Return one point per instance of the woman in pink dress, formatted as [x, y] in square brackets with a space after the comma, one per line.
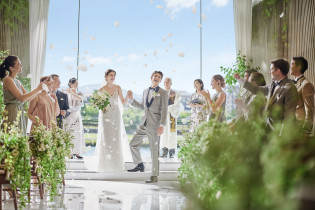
[44, 106]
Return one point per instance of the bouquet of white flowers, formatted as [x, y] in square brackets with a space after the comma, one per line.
[100, 100]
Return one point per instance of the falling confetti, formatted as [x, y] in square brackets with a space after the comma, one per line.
[173, 70]
[134, 82]
[51, 46]
[74, 48]
[194, 9]
[29, 76]
[91, 65]
[116, 54]
[199, 25]
[145, 54]
[282, 14]
[151, 2]
[164, 39]
[145, 65]
[131, 122]
[82, 67]
[166, 50]
[108, 157]
[170, 34]
[159, 6]
[170, 44]
[86, 52]
[155, 52]
[93, 38]
[116, 24]
[218, 195]
[181, 54]
[70, 41]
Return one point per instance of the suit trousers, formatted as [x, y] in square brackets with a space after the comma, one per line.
[154, 141]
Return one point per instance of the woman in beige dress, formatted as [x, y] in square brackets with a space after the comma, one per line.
[14, 94]
[44, 106]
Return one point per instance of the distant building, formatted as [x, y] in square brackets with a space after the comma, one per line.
[231, 95]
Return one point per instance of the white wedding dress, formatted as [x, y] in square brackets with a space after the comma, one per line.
[112, 147]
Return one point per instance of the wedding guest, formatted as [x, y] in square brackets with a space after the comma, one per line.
[14, 94]
[74, 121]
[305, 105]
[44, 106]
[217, 103]
[198, 104]
[245, 105]
[62, 100]
[168, 140]
[281, 93]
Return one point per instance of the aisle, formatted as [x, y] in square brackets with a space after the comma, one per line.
[83, 194]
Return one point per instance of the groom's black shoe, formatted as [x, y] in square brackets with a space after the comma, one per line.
[139, 167]
[152, 179]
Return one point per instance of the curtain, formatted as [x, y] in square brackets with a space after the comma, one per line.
[243, 26]
[38, 20]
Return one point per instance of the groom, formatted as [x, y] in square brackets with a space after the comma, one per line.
[154, 104]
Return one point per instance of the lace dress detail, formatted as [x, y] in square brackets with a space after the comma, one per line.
[109, 139]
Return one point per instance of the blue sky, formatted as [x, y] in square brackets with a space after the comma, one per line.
[137, 37]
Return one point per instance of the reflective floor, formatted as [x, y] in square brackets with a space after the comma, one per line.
[86, 194]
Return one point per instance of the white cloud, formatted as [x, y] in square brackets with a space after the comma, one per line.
[176, 5]
[68, 58]
[98, 60]
[219, 3]
[133, 57]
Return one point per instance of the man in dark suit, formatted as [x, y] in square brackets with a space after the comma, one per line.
[62, 100]
[281, 93]
[305, 106]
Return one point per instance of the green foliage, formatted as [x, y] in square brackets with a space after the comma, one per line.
[15, 152]
[49, 147]
[240, 66]
[248, 167]
[14, 13]
[132, 118]
[89, 110]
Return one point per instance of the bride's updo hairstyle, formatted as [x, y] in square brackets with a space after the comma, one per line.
[108, 71]
[72, 81]
[4, 67]
[220, 79]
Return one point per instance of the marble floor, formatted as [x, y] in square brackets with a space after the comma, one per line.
[112, 195]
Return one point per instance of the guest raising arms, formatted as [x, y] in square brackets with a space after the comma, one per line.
[14, 93]
[44, 105]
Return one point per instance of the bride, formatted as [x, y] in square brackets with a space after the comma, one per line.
[112, 142]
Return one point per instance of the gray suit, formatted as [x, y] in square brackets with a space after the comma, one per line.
[155, 115]
[281, 104]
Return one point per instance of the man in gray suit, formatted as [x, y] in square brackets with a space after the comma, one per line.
[281, 93]
[154, 103]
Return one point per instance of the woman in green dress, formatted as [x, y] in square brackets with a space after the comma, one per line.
[14, 94]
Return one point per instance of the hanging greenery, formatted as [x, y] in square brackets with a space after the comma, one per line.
[3, 54]
[14, 12]
[49, 147]
[241, 64]
[15, 152]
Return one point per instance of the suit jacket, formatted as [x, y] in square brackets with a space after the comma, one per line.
[154, 115]
[305, 105]
[281, 104]
[63, 105]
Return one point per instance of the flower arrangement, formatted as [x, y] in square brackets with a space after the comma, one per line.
[100, 100]
[49, 147]
[15, 152]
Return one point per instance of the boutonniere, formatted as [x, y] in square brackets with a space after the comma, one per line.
[154, 94]
[61, 99]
